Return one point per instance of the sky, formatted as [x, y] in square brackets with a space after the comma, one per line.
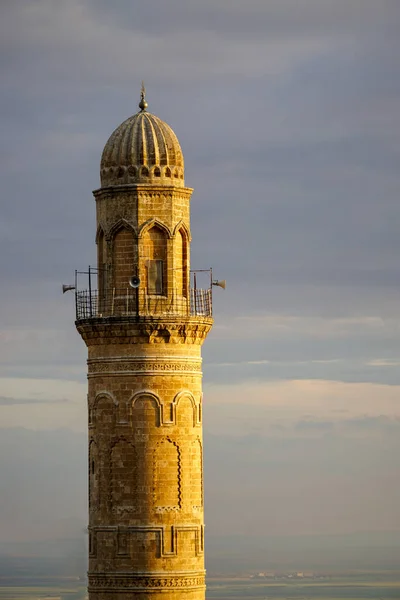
[288, 114]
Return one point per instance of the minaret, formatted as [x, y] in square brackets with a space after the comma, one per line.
[144, 327]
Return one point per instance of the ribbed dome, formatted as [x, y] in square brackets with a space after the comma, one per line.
[143, 149]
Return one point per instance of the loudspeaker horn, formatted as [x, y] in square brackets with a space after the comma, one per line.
[67, 288]
[221, 284]
[134, 282]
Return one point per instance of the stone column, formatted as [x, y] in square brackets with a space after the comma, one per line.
[146, 527]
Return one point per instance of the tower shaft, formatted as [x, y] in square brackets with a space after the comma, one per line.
[146, 524]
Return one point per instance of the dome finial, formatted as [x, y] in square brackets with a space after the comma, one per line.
[143, 104]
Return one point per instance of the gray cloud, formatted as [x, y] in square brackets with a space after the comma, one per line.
[287, 118]
[7, 401]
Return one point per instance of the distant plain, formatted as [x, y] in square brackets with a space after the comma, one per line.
[377, 586]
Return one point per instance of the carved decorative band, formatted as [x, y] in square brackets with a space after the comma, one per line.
[145, 366]
[128, 582]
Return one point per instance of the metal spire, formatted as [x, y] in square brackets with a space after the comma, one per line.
[143, 104]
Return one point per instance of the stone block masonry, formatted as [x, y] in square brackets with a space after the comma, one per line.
[145, 457]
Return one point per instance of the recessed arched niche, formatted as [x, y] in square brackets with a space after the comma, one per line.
[196, 474]
[94, 474]
[181, 262]
[185, 410]
[123, 484]
[155, 260]
[146, 412]
[103, 414]
[167, 475]
[123, 259]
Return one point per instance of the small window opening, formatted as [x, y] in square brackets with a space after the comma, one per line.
[155, 279]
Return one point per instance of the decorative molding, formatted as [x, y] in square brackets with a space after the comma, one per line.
[148, 190]
[197, 530]
[148, 330]
[148, 366]
[99, 582]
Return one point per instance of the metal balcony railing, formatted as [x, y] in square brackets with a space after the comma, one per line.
[134, 303]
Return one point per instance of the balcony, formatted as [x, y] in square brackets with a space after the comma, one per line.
[90, 304]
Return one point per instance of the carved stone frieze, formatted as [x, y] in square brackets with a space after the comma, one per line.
[99, 582]
[125, 330]
[155, 366]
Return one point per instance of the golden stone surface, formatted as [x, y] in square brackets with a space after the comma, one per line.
[146, 524]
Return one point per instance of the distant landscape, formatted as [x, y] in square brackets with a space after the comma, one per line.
[362, 586]
[363, 566]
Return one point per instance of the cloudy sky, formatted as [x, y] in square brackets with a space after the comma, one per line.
[288, 114]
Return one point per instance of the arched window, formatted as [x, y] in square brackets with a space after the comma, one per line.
[123, 259]
[155, 255]
[101, 262]
[157, 172]
[184, 262]
[167, 172]
[144, 172]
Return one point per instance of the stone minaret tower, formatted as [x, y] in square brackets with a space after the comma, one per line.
[144, 327]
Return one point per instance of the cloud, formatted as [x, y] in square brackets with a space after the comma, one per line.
[65, 403]
[384, 362]
[6, 401]
[280, 408]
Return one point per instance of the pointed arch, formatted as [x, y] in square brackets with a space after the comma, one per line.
[124, 250]
[182, 225]
[157, 172]
[181, 259]
[121, 224]
[154, 223]
[154, 257]
[100, 231]
[101, 260]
